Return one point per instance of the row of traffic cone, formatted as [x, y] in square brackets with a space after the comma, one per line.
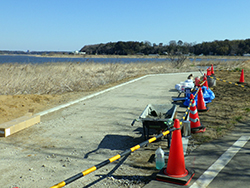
[210, 72]
[195, 125]
[176, 171]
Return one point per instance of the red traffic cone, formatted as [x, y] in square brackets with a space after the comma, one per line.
[205, 79]
[201, 105]
[195, 124]
[241, 77]
[212, 69]
[176, 172]
[208, 71]
[197, 81]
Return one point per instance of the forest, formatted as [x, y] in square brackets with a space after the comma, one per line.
[223, 47]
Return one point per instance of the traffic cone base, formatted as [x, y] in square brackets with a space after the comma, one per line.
[203, 110]
[161, 176]
[242, 83]
[200, 129]
[176, 176]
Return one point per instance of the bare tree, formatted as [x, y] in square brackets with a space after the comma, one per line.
[177, 58]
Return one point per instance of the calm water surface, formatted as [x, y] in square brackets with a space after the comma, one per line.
[34, 59]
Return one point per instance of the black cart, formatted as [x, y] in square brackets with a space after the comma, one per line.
[157, 117]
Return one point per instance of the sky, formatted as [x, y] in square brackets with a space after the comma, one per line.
[68, 25]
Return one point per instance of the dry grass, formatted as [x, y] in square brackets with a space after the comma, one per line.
[59, 78]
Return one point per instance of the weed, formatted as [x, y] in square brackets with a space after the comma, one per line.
[218, 129]
[247, 109]
[237, 69]
[238, 118]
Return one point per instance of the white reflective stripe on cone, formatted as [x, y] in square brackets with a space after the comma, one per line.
[194, 120]
[193, 112]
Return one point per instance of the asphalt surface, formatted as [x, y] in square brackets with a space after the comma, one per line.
[222, 163]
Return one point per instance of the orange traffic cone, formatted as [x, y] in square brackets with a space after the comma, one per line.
[208, 71]
[197, 81]
[195, 124]
[176, 172]
[241, 77]
[201, 105]
[212, 69]
[205, 79]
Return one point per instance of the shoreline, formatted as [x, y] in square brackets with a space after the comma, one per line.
[129, 56]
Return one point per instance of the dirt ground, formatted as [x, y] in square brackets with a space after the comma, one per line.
[15, 106]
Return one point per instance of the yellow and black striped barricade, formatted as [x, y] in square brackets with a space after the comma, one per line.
[240, 85]
[110, 160]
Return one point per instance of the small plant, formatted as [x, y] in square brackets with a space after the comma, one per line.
[237, 69]
[218, 129]
[238, 118]
[247, 109]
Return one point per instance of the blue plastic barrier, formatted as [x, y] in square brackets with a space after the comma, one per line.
[208, 96]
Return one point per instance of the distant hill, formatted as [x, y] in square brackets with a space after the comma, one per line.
[226, 47]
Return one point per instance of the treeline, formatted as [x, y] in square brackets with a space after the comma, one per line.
[226, 47]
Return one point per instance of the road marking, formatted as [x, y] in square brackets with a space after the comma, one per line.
[101, 92]
[87, 97]
[207, 177]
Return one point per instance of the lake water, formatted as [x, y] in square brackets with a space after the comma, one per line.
[34, 59]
